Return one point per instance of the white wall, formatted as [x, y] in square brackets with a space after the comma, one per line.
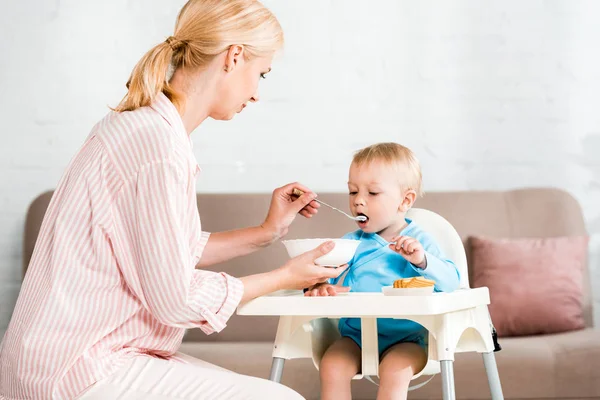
[491, 95]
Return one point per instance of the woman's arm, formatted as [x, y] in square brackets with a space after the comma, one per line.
[260, 284]
[223, 246]
[154, 251]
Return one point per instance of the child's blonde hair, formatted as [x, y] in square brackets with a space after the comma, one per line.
[204, 29]
[401, 158]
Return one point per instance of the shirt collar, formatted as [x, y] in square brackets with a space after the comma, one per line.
[168, 111]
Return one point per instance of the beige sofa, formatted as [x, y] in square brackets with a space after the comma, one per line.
[563, 366]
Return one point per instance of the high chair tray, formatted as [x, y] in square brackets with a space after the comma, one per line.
[294, 303]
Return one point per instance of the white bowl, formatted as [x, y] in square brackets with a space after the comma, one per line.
[420, 291]
[341, 254]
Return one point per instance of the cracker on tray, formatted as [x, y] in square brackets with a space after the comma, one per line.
[415, 282]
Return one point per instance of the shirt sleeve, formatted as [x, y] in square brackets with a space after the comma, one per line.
[439, 268]
[167, 242]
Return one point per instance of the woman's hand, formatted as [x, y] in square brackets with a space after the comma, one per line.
[301, 272]
[283, 210]
[326, 289]
[285, 206]
[298, 273]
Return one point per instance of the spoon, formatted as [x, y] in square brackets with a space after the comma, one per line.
[362, 218]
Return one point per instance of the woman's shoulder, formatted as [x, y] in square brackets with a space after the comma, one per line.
[138, 138]
[142, 128]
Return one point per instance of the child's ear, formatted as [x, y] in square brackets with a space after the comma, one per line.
[407, 202]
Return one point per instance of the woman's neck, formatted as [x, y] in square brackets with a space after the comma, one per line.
[197, 93]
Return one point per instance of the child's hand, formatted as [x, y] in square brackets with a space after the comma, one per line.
[325, 289]
[411, 249]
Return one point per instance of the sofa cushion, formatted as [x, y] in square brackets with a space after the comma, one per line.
[565, 366]
[536, 285]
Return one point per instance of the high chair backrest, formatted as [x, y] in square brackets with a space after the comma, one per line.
[446, 237]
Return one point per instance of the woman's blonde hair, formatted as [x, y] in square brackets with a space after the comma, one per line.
[401, 158]
[204, 29]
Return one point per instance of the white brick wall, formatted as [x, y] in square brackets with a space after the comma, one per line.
[492, 95]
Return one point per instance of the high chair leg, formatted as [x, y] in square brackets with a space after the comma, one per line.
[277, 369]
[491, 369]
[448, 380]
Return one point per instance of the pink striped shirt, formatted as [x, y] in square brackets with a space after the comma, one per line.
[113, 272]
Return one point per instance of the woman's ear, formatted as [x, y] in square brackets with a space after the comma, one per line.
[407, 202]
[234, 55]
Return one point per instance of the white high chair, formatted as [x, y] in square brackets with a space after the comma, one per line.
[457, 322]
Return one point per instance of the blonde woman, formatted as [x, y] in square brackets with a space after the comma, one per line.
[112, 284]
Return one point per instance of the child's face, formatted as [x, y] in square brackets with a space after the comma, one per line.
[375, 192]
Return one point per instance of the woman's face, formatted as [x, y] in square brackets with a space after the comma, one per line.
[239, 82]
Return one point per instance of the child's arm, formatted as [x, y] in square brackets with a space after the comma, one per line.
[428, 260]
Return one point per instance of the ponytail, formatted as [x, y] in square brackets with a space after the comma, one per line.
[149, 78]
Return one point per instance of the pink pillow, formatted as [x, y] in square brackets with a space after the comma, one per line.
[536, 285]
